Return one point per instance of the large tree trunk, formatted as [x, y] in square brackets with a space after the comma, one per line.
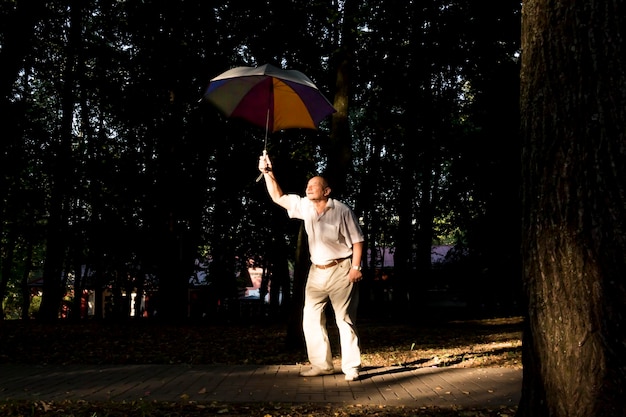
[574, 195]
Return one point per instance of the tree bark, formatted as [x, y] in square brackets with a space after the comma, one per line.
[573, 123]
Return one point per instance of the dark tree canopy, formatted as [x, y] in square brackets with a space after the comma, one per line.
[118, 178]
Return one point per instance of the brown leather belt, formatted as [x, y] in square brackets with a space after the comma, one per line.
[335, 262]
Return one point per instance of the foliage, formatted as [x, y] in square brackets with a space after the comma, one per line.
[128, 172]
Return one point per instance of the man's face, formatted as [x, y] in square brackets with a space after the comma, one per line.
[316, 189]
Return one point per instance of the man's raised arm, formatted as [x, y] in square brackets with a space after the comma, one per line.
[274, 190]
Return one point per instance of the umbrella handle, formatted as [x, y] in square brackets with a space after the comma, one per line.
[267, 168]
[267, 123]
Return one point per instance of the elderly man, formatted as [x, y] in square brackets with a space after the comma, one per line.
[336, 247]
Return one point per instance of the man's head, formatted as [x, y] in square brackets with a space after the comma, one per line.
[317, 189]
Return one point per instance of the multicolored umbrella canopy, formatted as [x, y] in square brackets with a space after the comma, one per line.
[269, 97]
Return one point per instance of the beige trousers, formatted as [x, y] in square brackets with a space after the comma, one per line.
[324, 285]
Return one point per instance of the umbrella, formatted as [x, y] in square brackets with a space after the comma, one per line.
[269, 97]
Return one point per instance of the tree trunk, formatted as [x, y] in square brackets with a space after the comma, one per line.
[25, 289]
[573, 122]
[280, 285]
[295, 335]
[6, 267]
[57, 240]
[403, 254]
[340, 156]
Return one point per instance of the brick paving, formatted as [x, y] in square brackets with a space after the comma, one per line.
[414, 386]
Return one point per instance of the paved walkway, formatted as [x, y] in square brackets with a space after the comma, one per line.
[443, 387]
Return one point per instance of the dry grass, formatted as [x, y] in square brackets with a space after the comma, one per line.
[480, 343]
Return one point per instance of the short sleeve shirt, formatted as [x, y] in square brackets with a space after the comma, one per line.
[331, 234]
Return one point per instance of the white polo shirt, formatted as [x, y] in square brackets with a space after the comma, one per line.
[331, 234]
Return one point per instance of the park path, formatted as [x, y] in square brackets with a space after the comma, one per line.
[393, 386]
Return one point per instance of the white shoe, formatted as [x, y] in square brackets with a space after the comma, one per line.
[317, 372]
[352, 376]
